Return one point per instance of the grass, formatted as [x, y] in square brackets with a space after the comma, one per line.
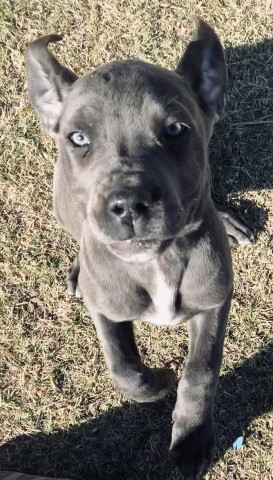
[59, 413]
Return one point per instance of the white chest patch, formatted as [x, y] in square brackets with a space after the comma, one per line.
[163, 311]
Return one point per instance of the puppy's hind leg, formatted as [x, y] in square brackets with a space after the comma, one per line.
[237, 231]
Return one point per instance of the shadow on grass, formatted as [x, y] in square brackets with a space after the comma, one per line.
[131, 442]
[241, 151]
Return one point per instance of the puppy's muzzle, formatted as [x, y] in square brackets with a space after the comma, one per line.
[129, 206]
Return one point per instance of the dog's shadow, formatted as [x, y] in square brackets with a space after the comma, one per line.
[241, 151]
[241, 159]
[90, 452]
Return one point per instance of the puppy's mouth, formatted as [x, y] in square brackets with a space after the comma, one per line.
[137, 249]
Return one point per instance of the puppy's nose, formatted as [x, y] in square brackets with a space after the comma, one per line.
[131, 203]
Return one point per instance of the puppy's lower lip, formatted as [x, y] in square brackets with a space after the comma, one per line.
[129, 251]
[134, 245]
[137, 248]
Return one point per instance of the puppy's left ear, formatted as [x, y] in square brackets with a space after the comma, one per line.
[48, 82]
[203, 65]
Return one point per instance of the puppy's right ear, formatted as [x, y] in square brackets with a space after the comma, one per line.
[48, 82]
[203, 65]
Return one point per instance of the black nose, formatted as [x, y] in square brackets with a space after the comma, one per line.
[132, 203]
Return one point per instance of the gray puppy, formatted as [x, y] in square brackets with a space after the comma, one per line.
[132, 187]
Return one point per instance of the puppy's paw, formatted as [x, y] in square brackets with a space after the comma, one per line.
[165, 380]
[192, 449]
[73, 288]
[237, 231]
[146, 386]
[72, 275]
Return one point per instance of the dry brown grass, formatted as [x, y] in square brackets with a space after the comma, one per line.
[59, 414]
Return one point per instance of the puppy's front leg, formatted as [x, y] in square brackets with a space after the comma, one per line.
[130, 376]
[192, 443]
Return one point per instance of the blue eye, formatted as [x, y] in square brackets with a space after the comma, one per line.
[79, 139]
[175, 129]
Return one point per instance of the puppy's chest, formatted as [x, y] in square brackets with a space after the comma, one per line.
[165, 306]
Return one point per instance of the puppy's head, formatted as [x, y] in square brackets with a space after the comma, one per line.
[133, 138]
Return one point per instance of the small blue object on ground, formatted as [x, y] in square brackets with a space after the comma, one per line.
[238, 443]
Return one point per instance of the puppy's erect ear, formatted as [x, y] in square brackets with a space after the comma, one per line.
[48, 82]
[203, 64]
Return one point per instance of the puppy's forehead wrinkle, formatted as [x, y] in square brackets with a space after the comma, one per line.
[126, 103]
[130, 82]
